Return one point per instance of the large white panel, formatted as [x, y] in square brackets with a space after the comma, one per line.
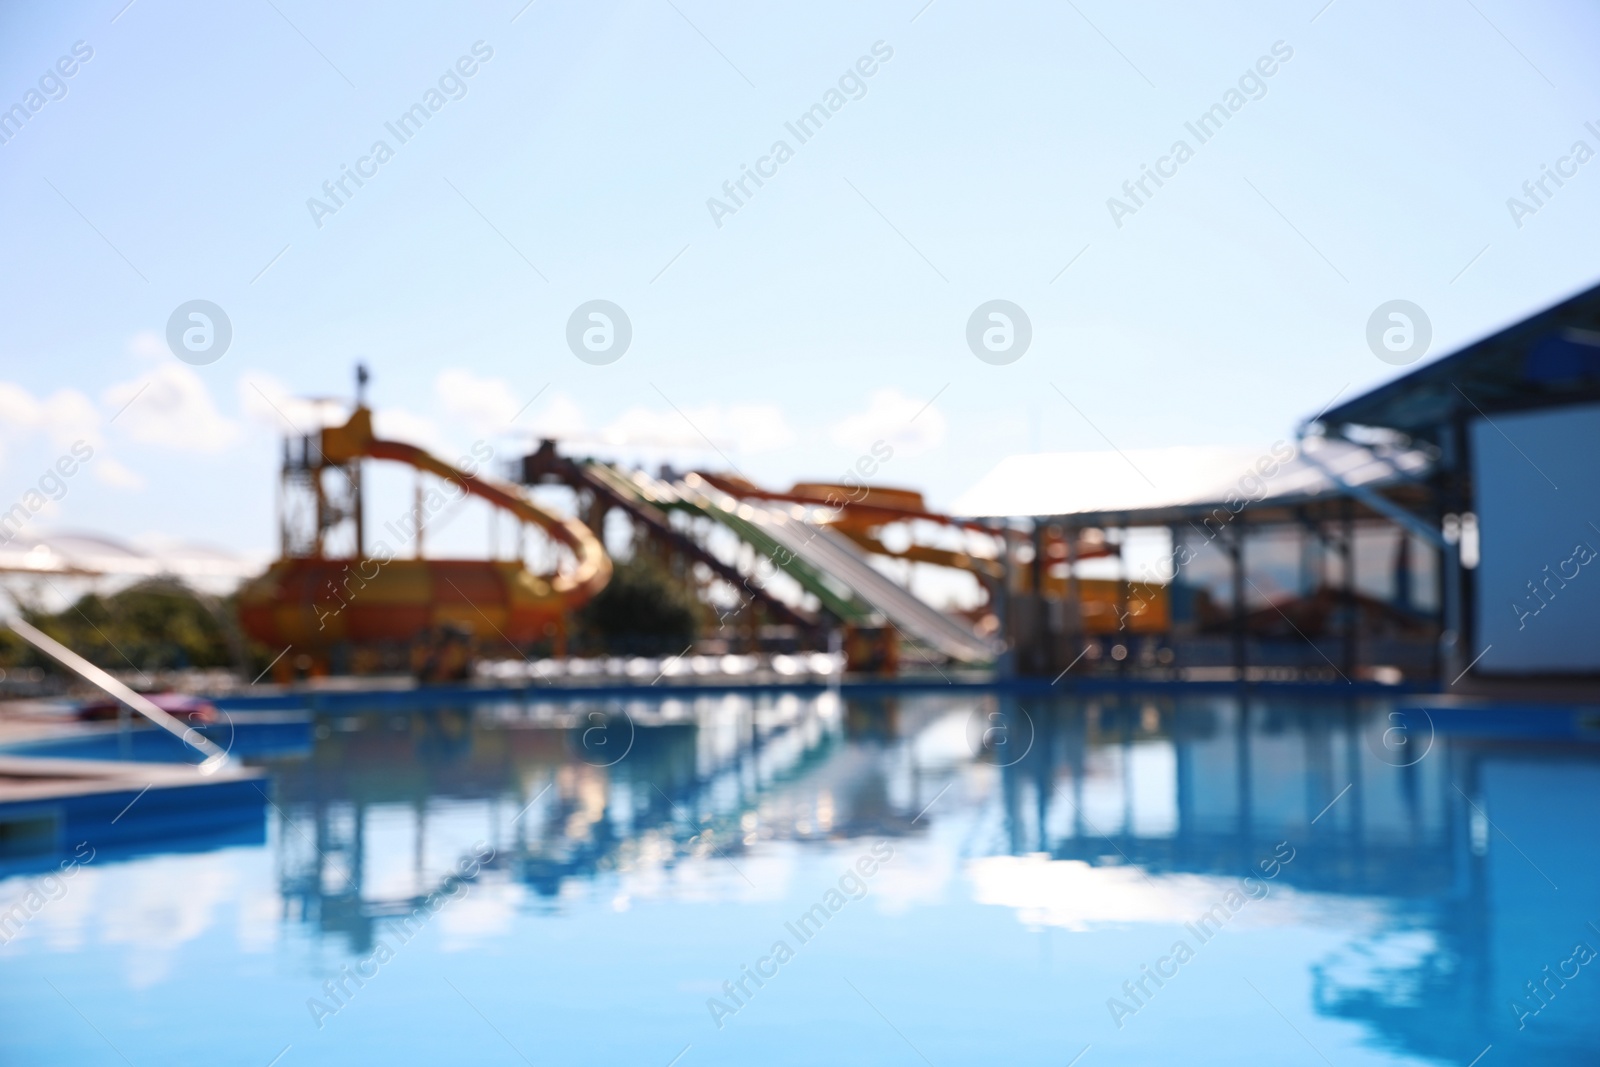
[1537, 479]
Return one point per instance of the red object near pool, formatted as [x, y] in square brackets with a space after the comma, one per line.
[181, 706]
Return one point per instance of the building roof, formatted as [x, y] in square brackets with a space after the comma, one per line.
[89, 554]
[1552, 357]
[1160, 485]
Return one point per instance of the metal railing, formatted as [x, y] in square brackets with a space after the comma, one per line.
[215, 758]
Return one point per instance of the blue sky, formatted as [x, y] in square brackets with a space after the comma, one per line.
[825, 313]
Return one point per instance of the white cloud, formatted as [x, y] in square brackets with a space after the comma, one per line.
[645, 426]
[743, 428]
[560, 417]
[114, 474]
[149, 344]
[172, 408]
[910, 425]
[70, 416]
[19, 409]
[268, 402]
[486, 405]
[65, 416]
[398, 424]
[757, 427]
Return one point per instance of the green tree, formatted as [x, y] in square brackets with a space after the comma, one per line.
[154, 625]
[643, 610]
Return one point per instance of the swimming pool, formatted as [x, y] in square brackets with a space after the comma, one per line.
[793, 878]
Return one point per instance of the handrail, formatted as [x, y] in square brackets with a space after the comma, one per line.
[215, 759]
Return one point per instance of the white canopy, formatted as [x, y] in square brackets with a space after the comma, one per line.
[1169, 479]
[94, 554]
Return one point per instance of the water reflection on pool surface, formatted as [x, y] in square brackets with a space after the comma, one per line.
[794, 879]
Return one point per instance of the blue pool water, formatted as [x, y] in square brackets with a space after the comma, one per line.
[912, 879]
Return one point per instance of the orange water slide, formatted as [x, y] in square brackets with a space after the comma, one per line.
[355, 440]
[317, 604]
[861, 511]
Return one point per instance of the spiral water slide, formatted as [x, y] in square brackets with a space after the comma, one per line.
[592, 568]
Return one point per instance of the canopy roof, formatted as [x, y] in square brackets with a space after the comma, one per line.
[1156, 486]
[1552, 357]
[71, 553]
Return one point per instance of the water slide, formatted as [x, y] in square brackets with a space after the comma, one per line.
[647, 502]
[824, 562]
[670, 496]
[592, 570]
[838, 559]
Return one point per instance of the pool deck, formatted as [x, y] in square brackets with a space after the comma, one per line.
[387, 694]
[52, 799]
[48, 806]
[1523, 720]
[29, 779]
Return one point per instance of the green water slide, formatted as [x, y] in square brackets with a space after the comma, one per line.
[824, 563]
[835, 597]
